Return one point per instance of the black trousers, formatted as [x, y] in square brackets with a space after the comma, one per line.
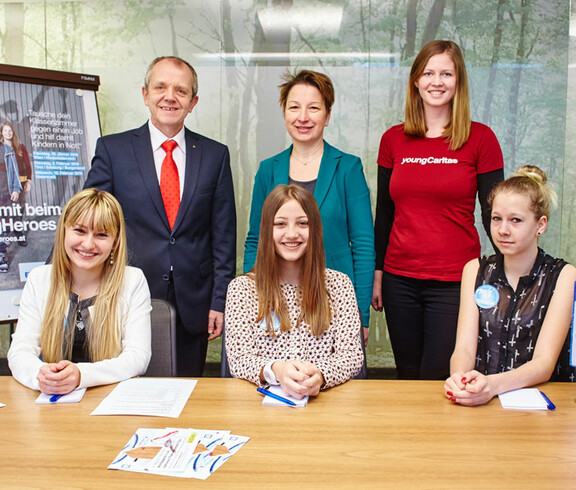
[422, 316]
[190, 351]
[191, 348]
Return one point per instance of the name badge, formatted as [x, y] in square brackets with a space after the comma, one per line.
[275, 324]
[486, 296]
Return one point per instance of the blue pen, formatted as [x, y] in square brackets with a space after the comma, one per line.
[55, 398]
[551, 406]
[276, 397]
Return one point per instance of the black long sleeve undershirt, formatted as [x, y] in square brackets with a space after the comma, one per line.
[384, 216]
[486, 183]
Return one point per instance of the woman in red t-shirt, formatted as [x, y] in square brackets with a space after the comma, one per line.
[431, 168]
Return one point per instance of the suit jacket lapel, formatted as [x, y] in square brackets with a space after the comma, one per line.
[193, 162]
[145, 160]
[282, 167]
[328, 165]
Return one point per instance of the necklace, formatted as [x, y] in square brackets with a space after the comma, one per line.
[85, 291]
[317, 154]
[305, 163]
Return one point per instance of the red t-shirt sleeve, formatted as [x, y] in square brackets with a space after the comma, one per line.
[489, 156]
[385, 154]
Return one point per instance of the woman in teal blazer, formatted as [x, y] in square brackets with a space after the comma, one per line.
[336, 179]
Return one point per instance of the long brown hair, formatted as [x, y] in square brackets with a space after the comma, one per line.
[313, 295]
[458, 129]
[100, 211]
[16, 145]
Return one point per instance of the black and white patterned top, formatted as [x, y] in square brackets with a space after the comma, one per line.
[76, 327]
[508, 332]
[337, 352]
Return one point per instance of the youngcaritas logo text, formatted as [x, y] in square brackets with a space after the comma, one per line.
[430, 160]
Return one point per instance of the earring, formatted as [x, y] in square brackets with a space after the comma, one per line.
[112, 258]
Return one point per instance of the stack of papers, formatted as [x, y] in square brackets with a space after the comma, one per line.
[277, 390]
[72, 397]
[184, 453]
[525, 399]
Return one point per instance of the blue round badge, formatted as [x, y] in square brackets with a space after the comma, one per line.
[275, 324]
[486, 296]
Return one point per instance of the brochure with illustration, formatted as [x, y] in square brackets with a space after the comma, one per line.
[183, 453]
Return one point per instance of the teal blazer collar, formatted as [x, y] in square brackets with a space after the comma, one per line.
[328, 165]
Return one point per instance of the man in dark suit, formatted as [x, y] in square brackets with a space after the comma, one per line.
[178, 203]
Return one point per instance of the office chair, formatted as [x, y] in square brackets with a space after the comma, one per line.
[163, 319]
[363, 373]
[224, 368]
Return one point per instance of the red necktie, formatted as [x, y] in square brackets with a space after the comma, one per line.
[169, 183]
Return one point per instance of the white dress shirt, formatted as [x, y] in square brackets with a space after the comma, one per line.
[179, 153]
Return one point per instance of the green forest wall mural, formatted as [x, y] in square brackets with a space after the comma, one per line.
[519, 56]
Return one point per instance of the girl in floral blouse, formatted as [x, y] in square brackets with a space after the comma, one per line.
[290, 321]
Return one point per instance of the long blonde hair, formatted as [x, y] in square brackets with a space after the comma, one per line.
[457, 130]
[314, 297]
[99, 211]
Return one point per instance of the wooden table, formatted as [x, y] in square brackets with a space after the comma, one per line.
[363, 434]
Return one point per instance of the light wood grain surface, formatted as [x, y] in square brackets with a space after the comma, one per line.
[363, 434]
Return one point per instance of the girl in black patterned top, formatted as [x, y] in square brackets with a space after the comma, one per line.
[516, 306]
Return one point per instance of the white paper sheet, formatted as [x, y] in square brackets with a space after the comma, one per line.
[156, 397]
[523, 399]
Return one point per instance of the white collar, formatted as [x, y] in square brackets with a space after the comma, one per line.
[157, 137]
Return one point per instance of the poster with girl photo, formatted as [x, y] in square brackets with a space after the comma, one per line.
[47, 136]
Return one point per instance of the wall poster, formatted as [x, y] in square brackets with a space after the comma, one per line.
[48, 130]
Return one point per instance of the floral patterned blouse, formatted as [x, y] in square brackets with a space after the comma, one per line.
[337, 352]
